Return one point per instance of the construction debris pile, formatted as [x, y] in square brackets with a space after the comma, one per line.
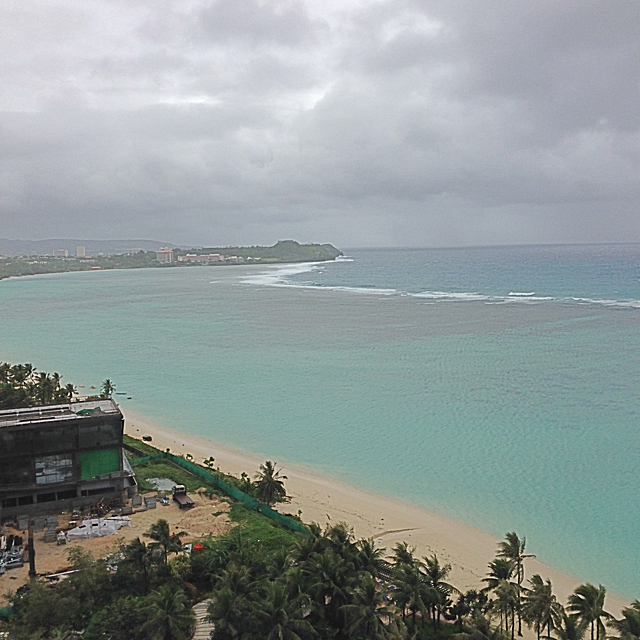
[12, 552]
[98, 527]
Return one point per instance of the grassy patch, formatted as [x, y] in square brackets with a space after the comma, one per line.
[261, 530]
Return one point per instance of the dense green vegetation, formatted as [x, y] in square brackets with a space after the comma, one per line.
[22, 386]
[284, 585]
[283, 251]
[34, 265]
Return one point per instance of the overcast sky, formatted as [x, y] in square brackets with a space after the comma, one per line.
[355, 122]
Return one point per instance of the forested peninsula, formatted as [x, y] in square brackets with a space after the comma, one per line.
[284, 251]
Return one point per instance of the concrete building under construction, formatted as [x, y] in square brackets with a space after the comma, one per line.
[62, 457]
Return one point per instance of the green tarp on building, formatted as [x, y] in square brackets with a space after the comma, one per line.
[98, 463]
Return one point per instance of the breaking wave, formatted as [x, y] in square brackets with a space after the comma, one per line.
[283, 276]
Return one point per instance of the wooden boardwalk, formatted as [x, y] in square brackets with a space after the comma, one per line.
[204, 629]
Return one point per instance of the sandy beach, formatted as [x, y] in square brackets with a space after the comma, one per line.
[388, 521]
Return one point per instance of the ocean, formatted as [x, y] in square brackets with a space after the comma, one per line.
[498, 386]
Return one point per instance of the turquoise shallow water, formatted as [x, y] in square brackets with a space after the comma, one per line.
[519, 415]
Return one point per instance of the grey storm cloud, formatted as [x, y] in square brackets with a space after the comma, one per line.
[362, 123]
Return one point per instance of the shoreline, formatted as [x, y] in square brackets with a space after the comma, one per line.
[325, 500]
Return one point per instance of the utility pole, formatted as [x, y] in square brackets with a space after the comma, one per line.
[32, 553]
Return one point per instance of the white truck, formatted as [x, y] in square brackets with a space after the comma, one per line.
[181, 497]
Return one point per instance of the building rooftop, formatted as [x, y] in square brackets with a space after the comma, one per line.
[58, 412]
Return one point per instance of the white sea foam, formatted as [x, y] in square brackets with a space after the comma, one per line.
[519, 293]
[278, 275]
[629, 304]
[449, 295]
[318, 287]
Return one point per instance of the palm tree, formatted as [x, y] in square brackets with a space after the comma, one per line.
[481, 630]
[237, 578]
[107, 388]
[138, 555]
[330, 579]
[460, 609]
[340, 538]
[403, 554]
[170, 543]
[228, 612]
[69, 391]
[506, 604]
[540, 605]
[411, 592]
[629, 625]
[587, 603]
[279, 617]
[435, 575]
[499, 581]
[368, 610]
[512, 548]
[5, 372]
[19, 374]
[45, 388]
[501, 570]
[569, 627]
[170, 616]
[269, 483]
[368, 558]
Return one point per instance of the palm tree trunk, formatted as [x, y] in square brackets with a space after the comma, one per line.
[513, 621]
[520, 576]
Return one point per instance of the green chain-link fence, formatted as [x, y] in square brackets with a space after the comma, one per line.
[229, 489]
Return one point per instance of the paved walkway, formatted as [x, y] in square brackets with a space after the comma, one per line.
[204, 629]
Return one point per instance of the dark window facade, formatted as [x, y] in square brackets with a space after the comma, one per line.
[17, 470]
[100, 435]
[46, 497]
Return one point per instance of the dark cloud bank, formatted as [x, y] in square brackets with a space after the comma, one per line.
[359, 123]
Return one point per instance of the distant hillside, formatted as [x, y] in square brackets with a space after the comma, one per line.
[47, 247]
[282, 251]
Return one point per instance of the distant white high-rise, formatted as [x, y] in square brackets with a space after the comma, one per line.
[81, 252]
[60, 253]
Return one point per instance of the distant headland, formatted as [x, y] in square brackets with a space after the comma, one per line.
[63, 260]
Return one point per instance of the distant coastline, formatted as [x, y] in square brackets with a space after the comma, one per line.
[283, 252]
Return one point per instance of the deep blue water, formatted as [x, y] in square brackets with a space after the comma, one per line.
[412, 373]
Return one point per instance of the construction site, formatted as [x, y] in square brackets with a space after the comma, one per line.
[65, 479]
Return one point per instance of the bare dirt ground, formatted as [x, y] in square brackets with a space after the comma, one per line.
[208, 517]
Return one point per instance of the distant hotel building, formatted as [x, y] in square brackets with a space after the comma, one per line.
[201, 258]
[81, 252]
[60, 253]
[62, 457]
[164, 255]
